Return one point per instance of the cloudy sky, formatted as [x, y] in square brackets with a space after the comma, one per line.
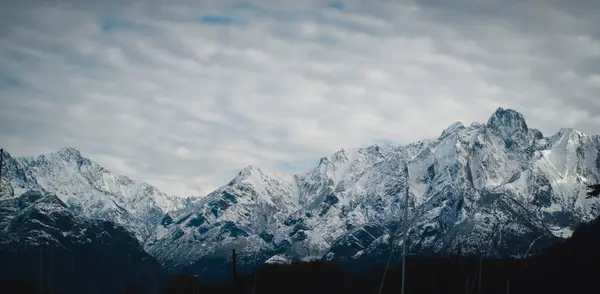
[183, 94]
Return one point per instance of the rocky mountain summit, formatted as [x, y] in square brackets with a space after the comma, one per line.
[86, 187]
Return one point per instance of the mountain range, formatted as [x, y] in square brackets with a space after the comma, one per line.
[497, 188]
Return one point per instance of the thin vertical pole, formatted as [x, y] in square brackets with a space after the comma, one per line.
[467, 286]
[233, 269]
[387, 265]
[479, 281]
[194, 279]
[51, 269]
[1, 159]
[404, 236]
[234, 272]
[507, 286]
[41, 269]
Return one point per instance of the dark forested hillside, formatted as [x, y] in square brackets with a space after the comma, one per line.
[44, 247]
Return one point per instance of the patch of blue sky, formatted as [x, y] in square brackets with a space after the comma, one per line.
[248, 12]
[385, 142]
[298, 166]
[17, 56]
[287, 166]
[248, 8]
[16, 59]
[8, 82]
[84, 70]
[336, 5]
[217, 19]
[109, 25]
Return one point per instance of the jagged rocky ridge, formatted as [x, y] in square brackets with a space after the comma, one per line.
[90, 189]
[498, 188]
[43, 241]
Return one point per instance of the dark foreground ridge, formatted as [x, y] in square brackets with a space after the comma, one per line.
[569, 267]
[46, 248]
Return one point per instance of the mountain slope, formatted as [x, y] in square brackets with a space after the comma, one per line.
[499, 188]
[43, 241]
[89, 188]
[233, 216]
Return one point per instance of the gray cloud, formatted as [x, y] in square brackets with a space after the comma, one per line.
[184, 94]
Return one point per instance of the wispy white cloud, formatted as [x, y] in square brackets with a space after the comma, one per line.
[184, 93]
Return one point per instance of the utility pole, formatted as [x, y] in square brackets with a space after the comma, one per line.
[42, 269]
[234, 278]
[51, 282]
[467, 286]
[479, 280]
[194, 279]
[1, 158]
[233, 266]
[387, 265]
[404, 236]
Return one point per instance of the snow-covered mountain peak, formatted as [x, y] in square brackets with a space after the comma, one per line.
[90, 189]
[507, 122]
[569, 136]
[453, 128]
[569, 133]
[334, 167]
[253, 175]
[506, 117]
[340, 155]
[234, 214]
[323, 161]
[247, 171]
[345, 154]
[69, 152]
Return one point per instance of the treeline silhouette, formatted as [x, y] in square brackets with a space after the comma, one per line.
[569, 267]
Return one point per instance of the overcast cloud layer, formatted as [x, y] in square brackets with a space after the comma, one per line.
[183, 94]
